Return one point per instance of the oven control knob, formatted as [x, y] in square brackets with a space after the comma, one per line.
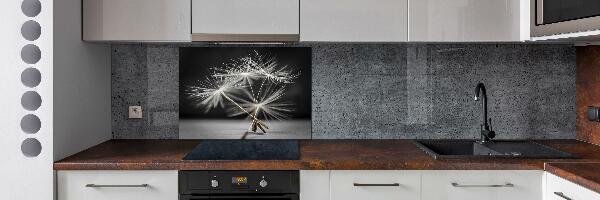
[214, 183]
[263, 183]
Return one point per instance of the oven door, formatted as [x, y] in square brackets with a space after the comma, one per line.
[240, 197]
[551, 17]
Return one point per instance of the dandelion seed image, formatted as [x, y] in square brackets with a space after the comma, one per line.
[245, 93]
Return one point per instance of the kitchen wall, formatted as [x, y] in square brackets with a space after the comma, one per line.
[588, 92]
[373, 91]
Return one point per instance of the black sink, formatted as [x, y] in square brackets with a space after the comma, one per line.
[470, 149]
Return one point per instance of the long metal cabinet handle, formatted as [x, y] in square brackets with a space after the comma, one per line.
[115, 186]
[562, 195]
[376, 184]
[504, 185]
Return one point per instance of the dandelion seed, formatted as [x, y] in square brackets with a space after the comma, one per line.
[254, 84]
[270, 105]
[256, 66]
[207, 93]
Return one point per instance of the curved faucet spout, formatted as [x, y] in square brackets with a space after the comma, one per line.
[481, 88]
[486, 133]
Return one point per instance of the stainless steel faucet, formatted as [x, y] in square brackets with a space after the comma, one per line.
[487, 134]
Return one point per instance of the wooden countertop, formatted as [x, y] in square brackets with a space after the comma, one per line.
[584, 174]
[331, 155]
[314, 155]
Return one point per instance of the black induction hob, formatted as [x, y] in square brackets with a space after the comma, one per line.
[245, 150]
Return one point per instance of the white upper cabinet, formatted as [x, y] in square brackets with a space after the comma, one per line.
[469, 20]
[354, 20]
[136, 20]
[307, 20]
[245, 20]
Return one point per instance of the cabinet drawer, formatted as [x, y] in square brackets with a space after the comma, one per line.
[117, 185]
[375, 185]
[477, 185]
[560, 189]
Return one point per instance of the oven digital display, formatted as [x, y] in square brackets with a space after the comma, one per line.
[239, 180]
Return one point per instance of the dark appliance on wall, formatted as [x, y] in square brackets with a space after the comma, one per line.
[552, 17]
[237, 185]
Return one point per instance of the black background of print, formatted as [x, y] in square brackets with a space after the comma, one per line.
[195, 64]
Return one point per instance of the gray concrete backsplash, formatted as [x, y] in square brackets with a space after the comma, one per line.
[382, 91]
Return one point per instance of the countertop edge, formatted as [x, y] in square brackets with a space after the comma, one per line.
[576, 178]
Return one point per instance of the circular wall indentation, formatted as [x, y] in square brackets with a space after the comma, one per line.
[31, 77]
[31, 54]
[31, 30]
[31, 8]
[31, 100]
[31, 147]
[30, 124]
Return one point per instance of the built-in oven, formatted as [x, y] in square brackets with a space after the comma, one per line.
[237, 185]
[552, 17]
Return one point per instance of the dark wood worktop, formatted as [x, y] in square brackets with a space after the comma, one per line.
[314, 154]
[584, 174]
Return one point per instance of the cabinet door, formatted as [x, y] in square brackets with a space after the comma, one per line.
[354, 20]
[136, 20]
[478, 185]
[314, 184]
[249, 17]
[560, 189]
[375, 185]
[117, 185]
[469, 20]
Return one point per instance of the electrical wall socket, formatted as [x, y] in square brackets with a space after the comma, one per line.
[135, 112]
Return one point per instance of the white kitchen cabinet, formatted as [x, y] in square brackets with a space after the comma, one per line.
[375, 185]
[314, 184]
[468, 20]
[560, 189]
[478, 185]
[136, 20]
[117, 185]
[354, 20]
[245, 20]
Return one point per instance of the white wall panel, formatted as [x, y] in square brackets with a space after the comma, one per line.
[82, 109]
[23, 177]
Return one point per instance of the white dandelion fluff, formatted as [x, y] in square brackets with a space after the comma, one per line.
[254, 84]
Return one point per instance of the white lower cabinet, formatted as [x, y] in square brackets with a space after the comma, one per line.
[341, 185]
[560, 189]
[117, 185]
[314, 184]
[482, 185]
[421, 185]
[375, 185]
